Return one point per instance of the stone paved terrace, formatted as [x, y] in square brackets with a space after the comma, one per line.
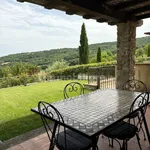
[41, 142]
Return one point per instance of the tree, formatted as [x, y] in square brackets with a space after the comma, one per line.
[83, 48]
[148, 51]
[139, 52]
[57, 65]
[99, 55]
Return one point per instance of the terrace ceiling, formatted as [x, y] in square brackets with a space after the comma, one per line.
[110, 11]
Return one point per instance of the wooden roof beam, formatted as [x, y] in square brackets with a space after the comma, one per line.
[148, 33]
[38, 2]
[99, 8]
[101, 20]
[143, 16]
[20, 1]
[53, 4]
[88, 16]
[139, 10]
[128, 4]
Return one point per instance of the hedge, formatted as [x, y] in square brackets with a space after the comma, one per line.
[73, 71]
[17, 80]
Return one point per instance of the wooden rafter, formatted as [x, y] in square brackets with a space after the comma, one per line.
[148, 33]
[101, 20]
[139, 10]
[143, 16]
[109, 11]
[128, 4]
[99, 8]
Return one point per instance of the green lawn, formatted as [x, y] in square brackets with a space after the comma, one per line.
[16, 102]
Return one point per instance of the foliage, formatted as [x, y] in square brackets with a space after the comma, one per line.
[73, 71]
[83, 48]
[139, 52]
[57, 65]
[99, 55]
[148, 51]
[18, 74]
[141, 59]
[23, 79]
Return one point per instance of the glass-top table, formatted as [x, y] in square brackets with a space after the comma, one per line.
[91, 113]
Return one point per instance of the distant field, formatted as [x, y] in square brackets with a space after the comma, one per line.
[16, 102]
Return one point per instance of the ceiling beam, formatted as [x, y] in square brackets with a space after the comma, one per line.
[140, 10]
[143, 16]
[20, 1]
[112, 23]
[148, 33]
[53, 4]
[102, 9]
[69, 12]
[128, 4]
[88, 16]
[101, 20]
[38, 2]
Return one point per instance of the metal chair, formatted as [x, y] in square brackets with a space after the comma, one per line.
[134, 85]
[138, 86]
[62, 138]
[126, 130]
[73, 88]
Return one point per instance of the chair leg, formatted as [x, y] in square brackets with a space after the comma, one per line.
[142, 130]
[143, 133]
[124, 145]
[111, 143]
[138, 139]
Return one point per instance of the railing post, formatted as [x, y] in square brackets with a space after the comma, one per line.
[98, 78]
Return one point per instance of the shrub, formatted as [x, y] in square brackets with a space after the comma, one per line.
[140, 59]
[32, 79]
[14, 81]
[3, 83]
[42, 76]
[57, 65]
[73, 71]
[23, 79]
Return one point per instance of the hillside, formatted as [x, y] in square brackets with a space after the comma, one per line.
[47, 57]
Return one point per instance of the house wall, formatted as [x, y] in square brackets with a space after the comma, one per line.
[142, 72]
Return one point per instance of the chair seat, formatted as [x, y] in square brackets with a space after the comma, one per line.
[74, 141]
[121, 131]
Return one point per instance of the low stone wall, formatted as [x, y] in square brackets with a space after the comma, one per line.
[142, 72]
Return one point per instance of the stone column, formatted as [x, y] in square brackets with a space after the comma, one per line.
[126, 45]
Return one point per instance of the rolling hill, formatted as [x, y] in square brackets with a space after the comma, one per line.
[47, 57]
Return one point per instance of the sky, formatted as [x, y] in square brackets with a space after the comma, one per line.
[26, 27]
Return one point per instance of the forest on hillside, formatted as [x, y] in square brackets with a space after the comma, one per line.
[71, 55]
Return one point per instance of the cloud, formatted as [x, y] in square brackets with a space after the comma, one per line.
[27, 27]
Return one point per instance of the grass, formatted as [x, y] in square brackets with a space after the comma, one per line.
[16, 102]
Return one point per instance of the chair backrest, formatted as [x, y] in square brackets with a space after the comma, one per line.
[48, 114]
[73, 89]
[141, 102]
[134, 85]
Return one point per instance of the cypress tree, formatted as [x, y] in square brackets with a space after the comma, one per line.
[83, 48]
[148, 51]
[99, 55]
